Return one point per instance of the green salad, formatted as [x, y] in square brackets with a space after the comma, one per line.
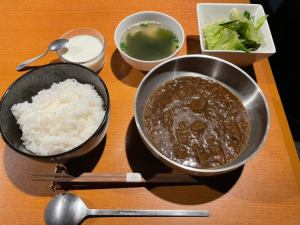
[241, 32]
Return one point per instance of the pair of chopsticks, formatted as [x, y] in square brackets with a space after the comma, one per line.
[116, 178]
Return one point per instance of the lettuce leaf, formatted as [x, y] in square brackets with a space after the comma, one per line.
[239, 33]
[218, 37]
[260, 22]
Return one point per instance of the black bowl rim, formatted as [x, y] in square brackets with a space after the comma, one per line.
[101, 126]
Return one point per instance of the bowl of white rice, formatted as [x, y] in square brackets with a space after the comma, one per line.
[55, 112]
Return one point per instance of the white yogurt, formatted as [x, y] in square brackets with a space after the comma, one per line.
[86, 50]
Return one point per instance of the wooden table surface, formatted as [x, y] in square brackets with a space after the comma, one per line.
[265, 191]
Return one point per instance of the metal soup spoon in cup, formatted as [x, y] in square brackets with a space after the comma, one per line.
[69, 209]
[53, 46]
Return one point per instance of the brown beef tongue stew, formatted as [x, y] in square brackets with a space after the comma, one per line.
[196, 122]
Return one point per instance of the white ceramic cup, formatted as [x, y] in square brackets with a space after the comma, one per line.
[147, 16]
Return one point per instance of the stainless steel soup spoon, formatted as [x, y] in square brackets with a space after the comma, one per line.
[69, 209]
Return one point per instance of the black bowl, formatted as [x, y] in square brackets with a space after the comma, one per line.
[29, 85]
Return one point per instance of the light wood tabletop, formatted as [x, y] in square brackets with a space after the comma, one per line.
[265, 191]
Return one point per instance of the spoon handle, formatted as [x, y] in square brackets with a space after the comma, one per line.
[147, 213]
[27, 62]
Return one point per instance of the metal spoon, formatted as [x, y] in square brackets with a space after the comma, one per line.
[69, 209]
[54, 46]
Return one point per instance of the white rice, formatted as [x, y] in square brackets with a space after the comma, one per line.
[59, 118]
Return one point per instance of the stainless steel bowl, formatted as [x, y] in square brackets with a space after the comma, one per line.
[229, 74]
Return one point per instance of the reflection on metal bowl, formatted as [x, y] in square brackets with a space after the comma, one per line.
[230, 75]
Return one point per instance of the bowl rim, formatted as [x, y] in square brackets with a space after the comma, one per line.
[101, 126]
[199, 171]
[201, 34]
[149, 61]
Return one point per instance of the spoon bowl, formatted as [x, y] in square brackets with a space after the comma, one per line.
[57, 44]
[65, 209]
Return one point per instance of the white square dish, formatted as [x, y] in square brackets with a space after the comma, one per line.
[210, 12]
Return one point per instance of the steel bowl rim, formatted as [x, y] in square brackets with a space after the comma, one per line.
[209, 171]
[101, 126]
